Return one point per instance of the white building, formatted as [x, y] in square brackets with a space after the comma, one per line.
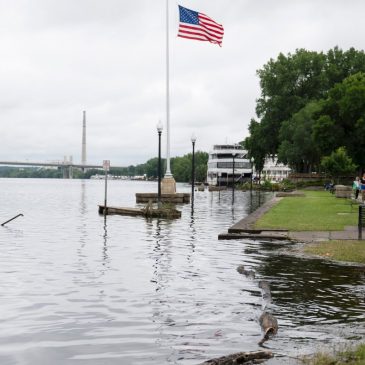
[275, 171]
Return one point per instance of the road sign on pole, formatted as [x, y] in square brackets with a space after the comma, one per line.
[106, 165]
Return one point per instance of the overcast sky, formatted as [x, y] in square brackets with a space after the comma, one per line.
[107, 57]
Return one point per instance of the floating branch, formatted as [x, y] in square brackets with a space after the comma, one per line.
[240, 358]
[3, 224]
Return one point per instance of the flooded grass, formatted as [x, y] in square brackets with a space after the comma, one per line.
[351, 251]
[316, 211]
[354, 356]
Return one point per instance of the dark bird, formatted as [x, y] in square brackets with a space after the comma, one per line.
[269, 325]
[265, 289]
[263, 284]
[248, 273]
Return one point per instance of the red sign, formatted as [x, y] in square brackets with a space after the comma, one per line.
[106, 165]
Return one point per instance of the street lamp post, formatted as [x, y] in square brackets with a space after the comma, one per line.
[193, 140]
[251, 160]
[106, 167]
[233, 155]
[159, 131]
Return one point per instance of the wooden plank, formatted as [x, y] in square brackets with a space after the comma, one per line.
[157, 213]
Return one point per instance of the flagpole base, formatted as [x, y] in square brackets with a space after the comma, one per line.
[168, 185]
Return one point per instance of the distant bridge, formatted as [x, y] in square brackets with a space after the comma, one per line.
[65, 165]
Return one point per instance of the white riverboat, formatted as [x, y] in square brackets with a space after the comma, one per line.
[220, 165]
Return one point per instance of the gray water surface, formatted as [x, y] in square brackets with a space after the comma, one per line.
[80, 289]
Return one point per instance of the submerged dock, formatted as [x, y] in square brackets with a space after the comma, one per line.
[147, 211]
[177, 198]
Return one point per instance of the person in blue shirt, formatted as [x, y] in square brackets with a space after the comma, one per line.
[356, 186]
[362, 187]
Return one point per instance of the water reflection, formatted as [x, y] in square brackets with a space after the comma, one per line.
[161, 255]
[105, 242]
[193, 237]
[83, 216]
[311, 291]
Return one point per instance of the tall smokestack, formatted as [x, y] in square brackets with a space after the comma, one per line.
[83, 152]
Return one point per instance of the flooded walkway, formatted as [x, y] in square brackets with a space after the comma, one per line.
[245, 229]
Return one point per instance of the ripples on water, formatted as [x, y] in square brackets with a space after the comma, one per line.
[80, 289]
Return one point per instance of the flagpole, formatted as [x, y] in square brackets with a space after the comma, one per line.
[168, 183]
[168, 169]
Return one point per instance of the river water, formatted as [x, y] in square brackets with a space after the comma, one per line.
[79, 289]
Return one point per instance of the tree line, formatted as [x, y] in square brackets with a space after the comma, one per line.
[181, 168]
[311, 112]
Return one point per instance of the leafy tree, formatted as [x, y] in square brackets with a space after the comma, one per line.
[341, 64]
[131, 170]
[182, 167]
[201, 166]
[342, 122]
[255, 144]
[325, 135]
[338, 163]
[297, 148]
[288, 84]
[30, 172]
[201, 173]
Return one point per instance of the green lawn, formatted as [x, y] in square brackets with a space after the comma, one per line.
[353, 251]
[316, 211]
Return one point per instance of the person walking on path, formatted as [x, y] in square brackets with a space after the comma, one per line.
[362, 184]
[356, 187]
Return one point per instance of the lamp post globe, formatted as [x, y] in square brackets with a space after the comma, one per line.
[159, 127]
[251, 161]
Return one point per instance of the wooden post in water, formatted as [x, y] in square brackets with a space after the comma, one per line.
[106, 166]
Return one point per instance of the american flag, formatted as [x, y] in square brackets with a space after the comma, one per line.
[194, 25]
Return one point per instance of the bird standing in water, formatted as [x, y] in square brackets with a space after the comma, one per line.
[269, 325]
[249, 273]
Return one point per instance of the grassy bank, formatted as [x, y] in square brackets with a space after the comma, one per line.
[354, 356]
[321, 211]
[353, 251]
[316, 211]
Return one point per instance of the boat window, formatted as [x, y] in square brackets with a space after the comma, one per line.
[238, 165]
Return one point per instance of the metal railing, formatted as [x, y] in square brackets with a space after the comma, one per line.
[19, 215]
[361, 223]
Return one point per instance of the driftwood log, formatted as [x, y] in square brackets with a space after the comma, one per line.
[254, 357]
